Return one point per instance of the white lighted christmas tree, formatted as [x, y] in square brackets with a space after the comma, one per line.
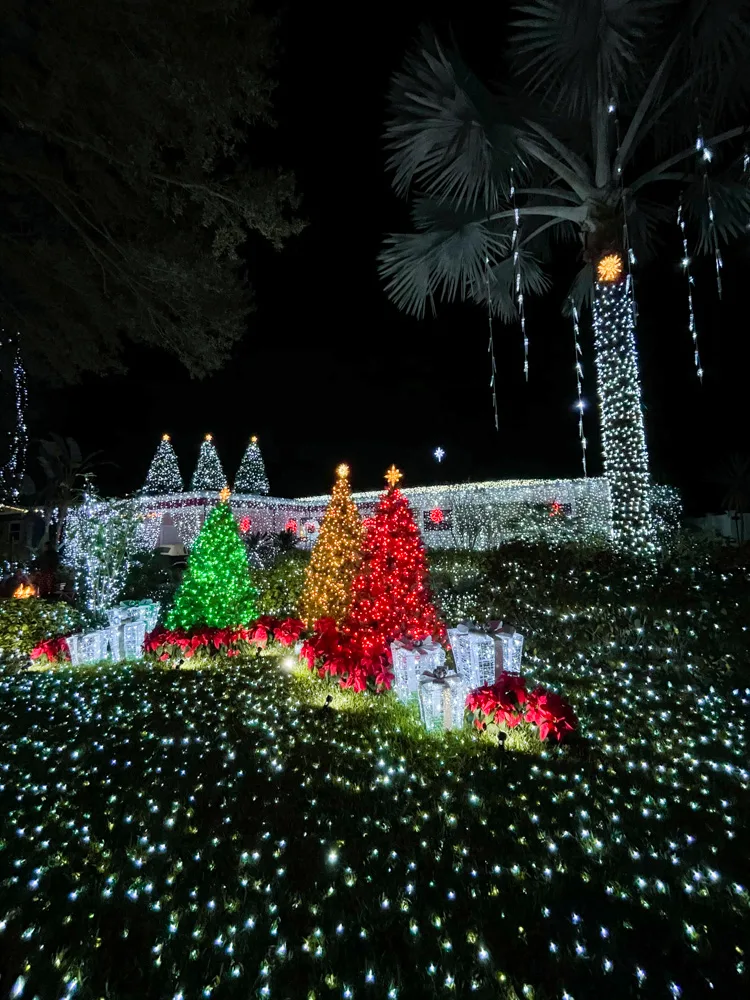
[251, 475]
[164, 473]
[208, 476]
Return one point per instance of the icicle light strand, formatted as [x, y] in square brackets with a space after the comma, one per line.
[517, 275]
[491, 344]
[690, 281]
[579, 376]
[704, 158]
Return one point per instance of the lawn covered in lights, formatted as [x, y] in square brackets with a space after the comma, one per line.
[222, 833]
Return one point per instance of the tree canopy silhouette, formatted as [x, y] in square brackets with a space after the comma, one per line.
[126, 177]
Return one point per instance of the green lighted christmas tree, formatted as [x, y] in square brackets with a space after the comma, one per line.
[216, 590]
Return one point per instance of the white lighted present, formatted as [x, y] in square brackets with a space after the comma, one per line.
[410, 661]
[482, 653]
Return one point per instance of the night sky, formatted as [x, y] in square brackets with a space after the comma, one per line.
[329, 371]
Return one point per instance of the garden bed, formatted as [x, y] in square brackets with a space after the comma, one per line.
[230, 833]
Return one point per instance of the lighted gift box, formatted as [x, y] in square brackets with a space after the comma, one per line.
[442, 697]
[410, 661]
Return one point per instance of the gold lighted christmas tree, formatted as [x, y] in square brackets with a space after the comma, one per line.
[336, 557]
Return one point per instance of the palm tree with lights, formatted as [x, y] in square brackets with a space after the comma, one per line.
[619, 117]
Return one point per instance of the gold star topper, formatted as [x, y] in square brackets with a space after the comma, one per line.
[392, 476]
[209, 437]
[165, 437]
[342, 471]
[253, 440]
[225, 494]
[609, 268]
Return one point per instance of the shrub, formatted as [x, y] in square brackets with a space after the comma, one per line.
[151, 576]
[24, 624]
[279, 586]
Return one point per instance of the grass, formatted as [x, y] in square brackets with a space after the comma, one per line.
[222, 833]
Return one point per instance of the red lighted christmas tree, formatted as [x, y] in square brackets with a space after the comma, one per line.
[392, 598]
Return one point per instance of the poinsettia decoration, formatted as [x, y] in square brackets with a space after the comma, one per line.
[359, 658]
[507, 703]
[168, 643]
[55, 650]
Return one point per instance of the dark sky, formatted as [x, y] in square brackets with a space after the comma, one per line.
[330, 371]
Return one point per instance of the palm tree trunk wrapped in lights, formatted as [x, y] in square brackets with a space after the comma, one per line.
[619, 387]
[612, 116]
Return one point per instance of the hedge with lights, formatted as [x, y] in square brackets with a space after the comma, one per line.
[26, 624]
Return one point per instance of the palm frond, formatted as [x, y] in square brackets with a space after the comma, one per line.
[731, 209]
[499, 286]
[646, 221]
[446, 261]
[581, 290]
[717, 40]
[579, 51]
[446, 132]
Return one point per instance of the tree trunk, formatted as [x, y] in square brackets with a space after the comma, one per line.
[623, 435]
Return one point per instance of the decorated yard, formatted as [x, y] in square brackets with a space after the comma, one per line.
[248, 829]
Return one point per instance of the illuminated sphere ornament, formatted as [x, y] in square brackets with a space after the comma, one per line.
[336, 557]
[609, 268]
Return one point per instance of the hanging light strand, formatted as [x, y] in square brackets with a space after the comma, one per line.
[579, 376]
[704, 158]
[516, 250]
[690, 282]
[491, 343]
[14, 469]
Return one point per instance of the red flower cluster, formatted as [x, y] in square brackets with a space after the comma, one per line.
[56, 650]
[356, 656]
[228, 641]
[508, 703]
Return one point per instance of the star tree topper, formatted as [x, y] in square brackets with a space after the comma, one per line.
[225, 494]
[342, 471]
[392, 476]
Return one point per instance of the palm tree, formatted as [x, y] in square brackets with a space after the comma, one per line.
[67, 472]
[606, 129]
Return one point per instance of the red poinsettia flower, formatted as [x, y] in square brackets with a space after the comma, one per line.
[289, 631]
[52, 649]
[551, 713]
[259, 636]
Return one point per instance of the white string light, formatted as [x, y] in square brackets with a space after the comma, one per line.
[13, 471]
[491, 344]
[690, 282]
[704, 158]
[517, 274]
[579, 376]
[622, 427]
